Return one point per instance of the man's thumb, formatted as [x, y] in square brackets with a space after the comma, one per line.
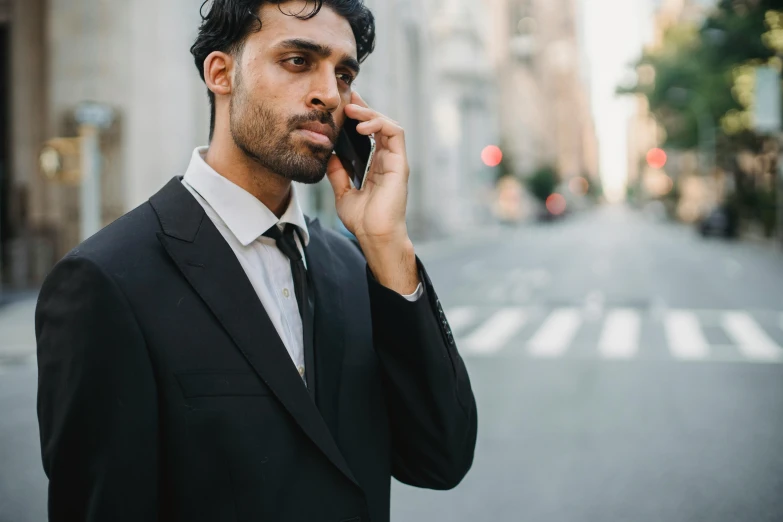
[338, 177]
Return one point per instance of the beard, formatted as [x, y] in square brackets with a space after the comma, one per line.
[267, 138]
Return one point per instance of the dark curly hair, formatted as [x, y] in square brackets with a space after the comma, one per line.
[228, 23]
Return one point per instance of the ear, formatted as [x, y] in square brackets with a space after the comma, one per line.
[217, 73]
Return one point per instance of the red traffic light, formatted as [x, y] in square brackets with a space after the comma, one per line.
[491, 156]
[556, 204]
[656, 158]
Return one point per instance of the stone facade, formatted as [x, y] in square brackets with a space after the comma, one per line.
[131, 56]
[430, 72]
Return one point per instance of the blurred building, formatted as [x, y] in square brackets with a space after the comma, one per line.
[130, 56]
[429, 71]
[545, 110]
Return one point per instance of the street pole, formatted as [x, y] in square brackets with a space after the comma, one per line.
[92, 118]
[90, 186]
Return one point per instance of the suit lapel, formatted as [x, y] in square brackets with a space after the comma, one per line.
[212, 269]
[329, 320]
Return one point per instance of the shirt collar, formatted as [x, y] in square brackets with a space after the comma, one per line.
[243, 214]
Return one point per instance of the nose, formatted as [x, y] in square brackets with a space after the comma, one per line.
[324, 91]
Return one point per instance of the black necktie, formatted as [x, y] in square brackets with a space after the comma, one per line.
[304, 295]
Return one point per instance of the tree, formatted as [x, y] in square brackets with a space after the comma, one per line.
[696, 69]
[708, 70]
[543, 183]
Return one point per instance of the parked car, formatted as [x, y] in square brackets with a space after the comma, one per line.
[721, 221]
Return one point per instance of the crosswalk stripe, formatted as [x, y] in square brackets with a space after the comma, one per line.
[686, 340]
[495, 332]
[620, 334]
[556, 334]
[459, 318]
[750, 338]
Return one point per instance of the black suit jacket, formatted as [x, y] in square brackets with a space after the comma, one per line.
[165, 393]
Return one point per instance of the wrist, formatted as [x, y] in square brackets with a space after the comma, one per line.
[393, 263]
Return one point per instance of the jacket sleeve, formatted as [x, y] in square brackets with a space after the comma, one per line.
[430, 401]
[97, 408]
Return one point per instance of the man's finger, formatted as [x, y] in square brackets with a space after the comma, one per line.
[382, 127]
[360, 113]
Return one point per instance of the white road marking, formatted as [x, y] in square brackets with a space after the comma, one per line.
[461, 317]
[620, 335]
[751, 339]
[556, 334]
[495, 332]
[686, 339]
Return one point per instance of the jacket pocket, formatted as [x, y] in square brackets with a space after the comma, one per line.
[221, 383]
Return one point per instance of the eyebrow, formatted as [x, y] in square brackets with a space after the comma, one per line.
[320, 50]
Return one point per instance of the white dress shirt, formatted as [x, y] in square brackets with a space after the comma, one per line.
[242, 220]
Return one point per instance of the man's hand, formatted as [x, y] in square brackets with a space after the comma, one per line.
[376, 213]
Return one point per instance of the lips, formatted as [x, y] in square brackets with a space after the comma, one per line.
[319, 128]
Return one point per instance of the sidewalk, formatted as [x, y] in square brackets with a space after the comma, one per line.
[17, 331]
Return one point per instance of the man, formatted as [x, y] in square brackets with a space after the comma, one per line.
[215, 356]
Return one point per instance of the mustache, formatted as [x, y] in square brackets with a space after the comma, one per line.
[322, 117]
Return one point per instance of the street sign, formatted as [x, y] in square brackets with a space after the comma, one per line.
[767, 106]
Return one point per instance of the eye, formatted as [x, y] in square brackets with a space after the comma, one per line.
[298, 61]
[347, 78]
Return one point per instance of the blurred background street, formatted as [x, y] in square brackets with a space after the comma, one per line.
[624, 368]
[596, 190]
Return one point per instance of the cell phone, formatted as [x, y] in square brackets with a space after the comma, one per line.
[355, 152]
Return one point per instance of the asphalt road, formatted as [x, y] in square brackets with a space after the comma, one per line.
[625, 370]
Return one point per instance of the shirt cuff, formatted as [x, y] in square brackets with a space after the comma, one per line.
[415, 295]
